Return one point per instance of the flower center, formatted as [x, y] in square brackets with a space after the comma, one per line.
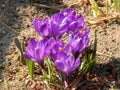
[80, 31]
[60, 48]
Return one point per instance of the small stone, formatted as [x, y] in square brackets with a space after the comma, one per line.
[3, 33]
[27, 82]
[1, 80]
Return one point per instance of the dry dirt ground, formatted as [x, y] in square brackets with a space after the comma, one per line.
[19, 15]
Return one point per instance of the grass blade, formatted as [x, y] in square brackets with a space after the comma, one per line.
[95, 47]
[95, 8]
[30, 65]
[89, 61]
[116, 5]
[107, 7]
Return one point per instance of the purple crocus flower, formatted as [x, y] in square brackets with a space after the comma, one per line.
[51, 28]
[58, 47]
[41, 27]
[59, 23]
[74, 22]
[79, 41]
[37, 51]
[66, 64]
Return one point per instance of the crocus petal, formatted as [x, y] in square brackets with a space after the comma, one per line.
[54, 29]
[68, 11]
[80, 21]
[68, 49]
[62, 56]
[49, 45]
[62, 28]
[30, 50]
[32, 42]
[37, 24]
[73, 26]
[76, 64]
[71, 61]
[27, 56]
[76, 44]
[57, 18]
[60, 65]
[44, 30]
[42, 43]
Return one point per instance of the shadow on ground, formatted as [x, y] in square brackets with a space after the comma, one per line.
[104, 77]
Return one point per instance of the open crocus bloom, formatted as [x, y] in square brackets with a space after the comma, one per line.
[37, 51]
[59, 46]
[66, 63]
[79, 41]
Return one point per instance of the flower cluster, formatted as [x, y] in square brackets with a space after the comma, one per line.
[58, 24]
[65, 56]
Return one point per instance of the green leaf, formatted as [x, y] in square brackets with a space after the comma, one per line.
[107, 7]
[50, 69]
[45, 76]
[18, 44]
[30, 65]
[95, 8]
[116, 5]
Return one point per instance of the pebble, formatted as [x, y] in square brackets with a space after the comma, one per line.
[1, 80]
[27, 82]
[15, 26]
[3, 33]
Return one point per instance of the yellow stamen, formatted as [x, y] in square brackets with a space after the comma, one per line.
[80, 31]
[60, 48]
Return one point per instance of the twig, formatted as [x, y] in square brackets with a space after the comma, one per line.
[100, 19]
[49, 7]
[98, 53]
[4, 24]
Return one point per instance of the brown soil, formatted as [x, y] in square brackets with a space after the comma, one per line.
[19, 15]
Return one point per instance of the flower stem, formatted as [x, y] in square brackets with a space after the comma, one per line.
[66, 81]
